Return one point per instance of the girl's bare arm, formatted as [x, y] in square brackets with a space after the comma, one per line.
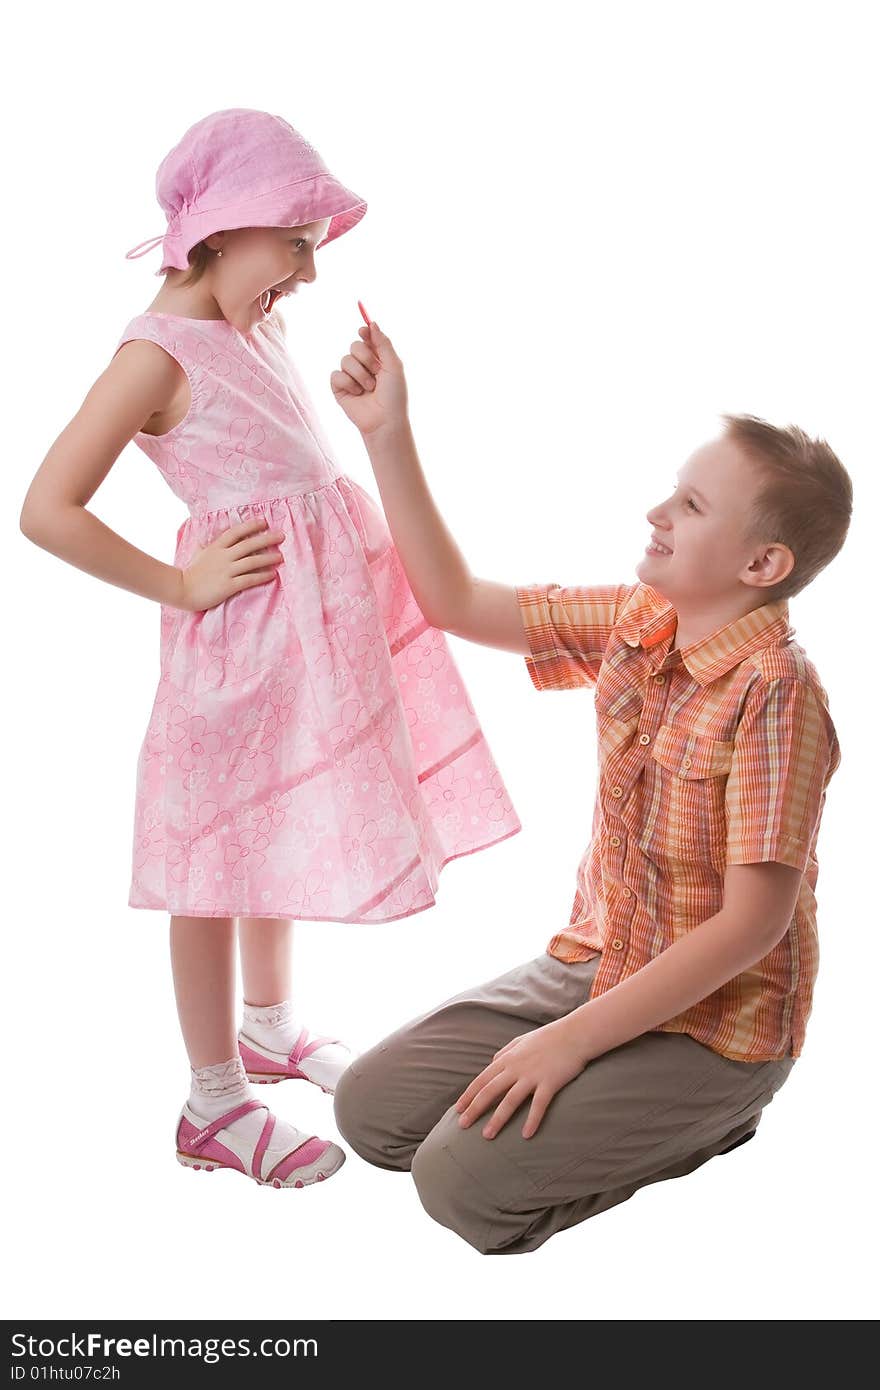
[140, 382]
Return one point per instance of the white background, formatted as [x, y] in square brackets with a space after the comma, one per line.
[591, 229]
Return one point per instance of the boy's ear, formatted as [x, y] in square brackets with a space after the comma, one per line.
[775, 564]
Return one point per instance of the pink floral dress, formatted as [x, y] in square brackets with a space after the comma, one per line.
[312, 751]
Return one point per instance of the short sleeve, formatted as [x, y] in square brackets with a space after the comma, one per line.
[568, 631]
[784, 752]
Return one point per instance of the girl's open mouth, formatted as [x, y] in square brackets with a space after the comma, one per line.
[268, 298]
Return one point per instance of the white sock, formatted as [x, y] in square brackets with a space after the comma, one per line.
[221, 1087]
[276, 1027]
[216, 1089]
[273, 1025]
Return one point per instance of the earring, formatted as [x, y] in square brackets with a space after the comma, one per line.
[219, 253]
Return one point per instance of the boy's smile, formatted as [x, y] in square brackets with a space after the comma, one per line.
[656, 547]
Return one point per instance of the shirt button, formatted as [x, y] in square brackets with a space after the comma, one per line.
[644, 738]
[615, 840]
[617, 791]
[617, 944]
[658, 680]
[627, 892]
[686, 762]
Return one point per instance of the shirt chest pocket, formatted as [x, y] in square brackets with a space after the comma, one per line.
[686, 783]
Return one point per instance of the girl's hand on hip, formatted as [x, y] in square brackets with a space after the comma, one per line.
[237, 559]
[370, 384]
[536, 1064]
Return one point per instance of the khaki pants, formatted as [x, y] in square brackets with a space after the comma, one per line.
[655, 1108]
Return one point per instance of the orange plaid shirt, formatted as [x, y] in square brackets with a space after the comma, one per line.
[716, 754]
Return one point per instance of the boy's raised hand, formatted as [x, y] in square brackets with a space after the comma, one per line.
[370, 384]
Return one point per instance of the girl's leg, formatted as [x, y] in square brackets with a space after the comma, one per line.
[203, 964]
[274, 1040]
[255, 1143]
[266, 945]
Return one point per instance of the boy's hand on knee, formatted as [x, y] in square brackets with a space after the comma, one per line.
[536, 1064]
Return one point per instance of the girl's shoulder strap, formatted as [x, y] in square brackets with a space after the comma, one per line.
[164, 329]
[178, 340]
[181, 337]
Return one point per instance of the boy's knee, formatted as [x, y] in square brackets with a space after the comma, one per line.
[359, 1107]
[352, 1110]
[450, 1195]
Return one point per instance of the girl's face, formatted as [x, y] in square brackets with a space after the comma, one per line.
[259, 264]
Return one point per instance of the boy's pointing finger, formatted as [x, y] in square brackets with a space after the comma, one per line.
[381, 343]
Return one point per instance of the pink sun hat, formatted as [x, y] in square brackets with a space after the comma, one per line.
[243, 168]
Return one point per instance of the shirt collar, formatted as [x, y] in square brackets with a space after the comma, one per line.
[648, 620]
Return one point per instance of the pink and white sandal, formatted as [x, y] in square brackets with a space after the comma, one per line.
[313, 1160]
[266, 1067]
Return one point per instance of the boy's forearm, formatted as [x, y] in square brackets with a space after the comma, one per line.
[79, 537]
[681, 976]
[435, 567]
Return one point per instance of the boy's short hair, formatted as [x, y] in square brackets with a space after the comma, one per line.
[804, 500]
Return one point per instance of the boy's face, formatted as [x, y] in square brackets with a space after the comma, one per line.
[703, 524]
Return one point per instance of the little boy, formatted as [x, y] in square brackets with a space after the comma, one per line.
[661, 1021]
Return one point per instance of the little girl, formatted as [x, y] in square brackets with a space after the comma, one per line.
[312, 751]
